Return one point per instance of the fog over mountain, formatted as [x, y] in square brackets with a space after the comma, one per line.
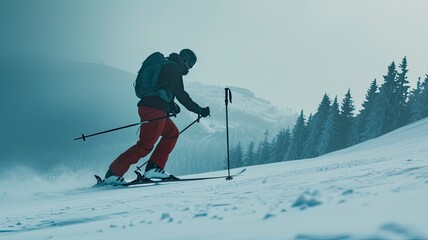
[46, 104]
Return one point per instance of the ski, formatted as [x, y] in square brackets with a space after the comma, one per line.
[140, 180]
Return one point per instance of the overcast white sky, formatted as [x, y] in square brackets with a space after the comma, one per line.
[288, 52]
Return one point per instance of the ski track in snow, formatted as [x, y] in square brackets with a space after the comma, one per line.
[366, 193]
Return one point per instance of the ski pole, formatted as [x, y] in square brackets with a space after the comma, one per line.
[196, 121]
[227, 99]
[127, 126]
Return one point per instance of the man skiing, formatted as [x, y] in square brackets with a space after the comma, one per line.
[170, 80]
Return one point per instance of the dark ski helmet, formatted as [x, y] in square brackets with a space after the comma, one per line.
[189, 56]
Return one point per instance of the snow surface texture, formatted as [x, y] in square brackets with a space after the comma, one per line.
[374, 190]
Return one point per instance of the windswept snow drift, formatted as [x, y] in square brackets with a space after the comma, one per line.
[374, 190]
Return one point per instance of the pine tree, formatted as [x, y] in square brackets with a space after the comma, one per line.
[367, 108]
[382, 117]
[280, 145]
[258, 154]
[298, 137]
[315, 127]
[287, 143]
[236, 156]
[402, 94]
[346, 120]
[354, 134]
[389, 100]
[420, 105]
[375, 119]
[423, 101]
[412, 104]
[250, 155]
[330, 136]
[273, 150]
[266, 149]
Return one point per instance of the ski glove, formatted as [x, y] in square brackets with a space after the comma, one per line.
[205, 112]
[174, 108]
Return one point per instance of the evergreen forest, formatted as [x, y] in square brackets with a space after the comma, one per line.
[335, 125]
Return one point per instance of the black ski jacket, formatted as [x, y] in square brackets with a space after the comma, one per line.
[172, 75]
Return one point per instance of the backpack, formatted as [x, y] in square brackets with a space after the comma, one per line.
[146, 83]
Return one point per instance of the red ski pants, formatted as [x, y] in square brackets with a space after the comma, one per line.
[149, 134]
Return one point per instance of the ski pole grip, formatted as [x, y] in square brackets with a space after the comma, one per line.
[227, 95]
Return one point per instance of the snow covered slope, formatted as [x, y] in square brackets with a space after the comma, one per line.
[374, 190]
